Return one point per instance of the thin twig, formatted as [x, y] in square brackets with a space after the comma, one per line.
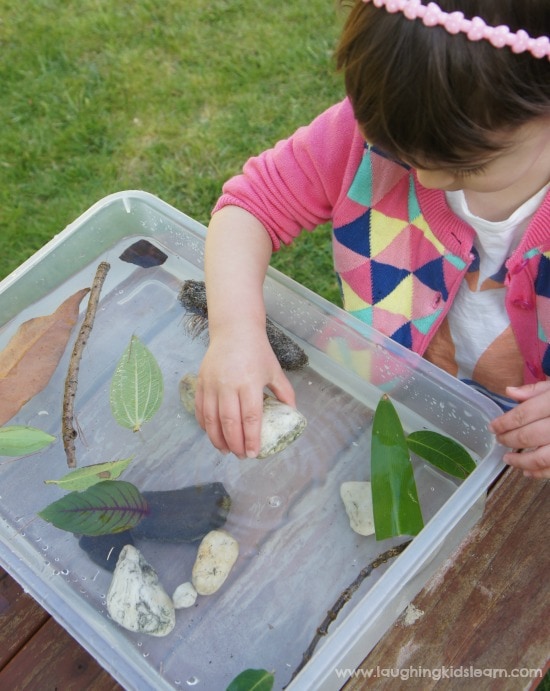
[68, 431]
[344, 597]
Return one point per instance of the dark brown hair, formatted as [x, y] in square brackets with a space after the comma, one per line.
[422, 94]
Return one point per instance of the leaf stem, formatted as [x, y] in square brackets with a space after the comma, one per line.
[69, 433]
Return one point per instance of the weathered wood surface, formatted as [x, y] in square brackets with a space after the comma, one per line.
[37, 654]
[488, 608]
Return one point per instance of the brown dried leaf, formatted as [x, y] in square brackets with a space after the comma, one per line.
[31, 357]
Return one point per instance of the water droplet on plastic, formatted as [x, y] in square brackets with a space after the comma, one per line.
[274, 501]
[192, 681]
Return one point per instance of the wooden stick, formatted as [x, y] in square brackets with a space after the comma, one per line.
[69, 433]
[344, 597]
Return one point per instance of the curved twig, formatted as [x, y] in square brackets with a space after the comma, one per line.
[344, 597]
[69, 433]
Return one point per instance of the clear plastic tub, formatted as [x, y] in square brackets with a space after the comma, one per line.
[297, 551]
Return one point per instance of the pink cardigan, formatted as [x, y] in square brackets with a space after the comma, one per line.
[399, 251]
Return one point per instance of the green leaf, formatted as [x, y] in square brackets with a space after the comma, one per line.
[18, 440]
[252, 680]
[137, 387]
[394, 495]
[91, 474]
[442, 452]
[107, 507]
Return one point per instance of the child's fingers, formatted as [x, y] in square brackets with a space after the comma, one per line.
[534, 463]
[251, 408]
[528, 411]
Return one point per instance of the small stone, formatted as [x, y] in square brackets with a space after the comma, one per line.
[184, 595]
[217, 553]
[357, 498]
[136, 600]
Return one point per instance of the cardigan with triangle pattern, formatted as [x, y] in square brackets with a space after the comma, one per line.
[400, 253]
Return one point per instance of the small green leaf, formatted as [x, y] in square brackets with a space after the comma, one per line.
[137, 387]
[18, 440]
[91, 474]
[106, 507]
[252, 680]
[442, 452]
[394, 495]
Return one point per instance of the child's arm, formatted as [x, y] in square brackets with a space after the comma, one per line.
[527, 427]
[239, 361]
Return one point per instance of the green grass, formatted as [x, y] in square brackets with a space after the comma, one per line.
[98, 96]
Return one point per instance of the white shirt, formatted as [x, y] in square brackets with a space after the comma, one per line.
[478, 316]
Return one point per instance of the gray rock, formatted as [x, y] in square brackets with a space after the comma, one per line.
[183, 515]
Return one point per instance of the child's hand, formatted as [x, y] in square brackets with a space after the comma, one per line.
[229, 396]
[527, 426]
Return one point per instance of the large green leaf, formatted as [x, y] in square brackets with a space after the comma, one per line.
[394, 495]
[252, 680]
[137, 387]
[18, 440]
[82, 478]
[107, 507]
[442, 452]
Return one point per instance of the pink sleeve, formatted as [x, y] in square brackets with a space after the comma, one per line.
[297, 184]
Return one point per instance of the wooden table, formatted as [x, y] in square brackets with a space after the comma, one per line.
[488, 608]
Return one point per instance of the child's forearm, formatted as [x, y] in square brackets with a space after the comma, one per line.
[238, 250]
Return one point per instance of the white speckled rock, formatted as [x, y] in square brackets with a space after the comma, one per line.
[217, 553]
[281, 424]
[357, 499]
[136, 600]
[184, 595]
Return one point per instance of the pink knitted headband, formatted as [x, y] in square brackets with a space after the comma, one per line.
[475, 28]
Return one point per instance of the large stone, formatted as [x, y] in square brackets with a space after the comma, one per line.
[136, 600]
[183, 515]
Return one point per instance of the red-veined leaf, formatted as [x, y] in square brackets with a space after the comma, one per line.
[107, 507]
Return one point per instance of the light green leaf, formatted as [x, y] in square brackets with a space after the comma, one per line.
[252, 680]
[91, 474]
[442, 452]
[104, 508]
[394, 495]
[137, 386]
[18, 440]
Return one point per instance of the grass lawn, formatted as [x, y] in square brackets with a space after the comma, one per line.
[171, 97]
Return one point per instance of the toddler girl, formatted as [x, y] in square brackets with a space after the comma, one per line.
[434, 172]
